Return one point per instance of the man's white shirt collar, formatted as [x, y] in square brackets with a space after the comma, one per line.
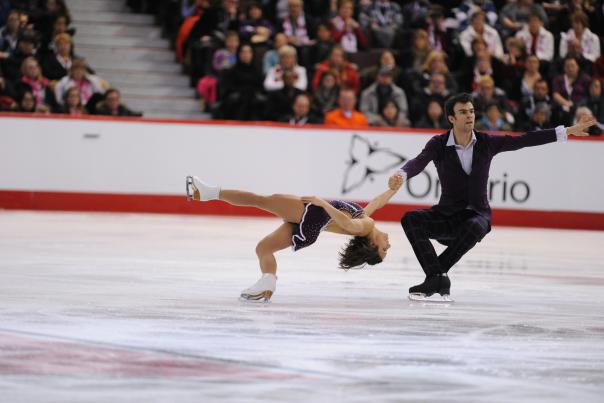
[451, 140]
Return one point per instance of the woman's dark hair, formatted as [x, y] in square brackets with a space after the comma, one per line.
[462, 98]
[357, 252]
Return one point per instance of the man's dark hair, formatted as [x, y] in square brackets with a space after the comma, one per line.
[462, 98]
[357, 252]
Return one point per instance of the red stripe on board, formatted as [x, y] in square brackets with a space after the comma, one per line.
[63, 201]
[250, 124]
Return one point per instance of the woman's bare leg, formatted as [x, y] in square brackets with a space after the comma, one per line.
[288, 207]
[277, 240]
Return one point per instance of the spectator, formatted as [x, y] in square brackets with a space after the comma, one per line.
[226, 57]
[382, 18]
[415, 57]
[515, 63]
[26, 46]
[539, 119]
[436, 27]
[26, 103]
[570, 88]
[530, 77]
[415, 13]
[479, 28]
[514, 16]
[57, 64]
[589, 42]
[191, 16]
[320, 50]
[60, 26]
[242, 89]
[433, 117]
[539, 95]
[538, 40]
[345, 31]
[45, 16]
[287, 63]
[436, 62]
[255, 28]
[222, 60]
[326, 95]
[345, 73]
[467, 8]
[391, 116]
[346, 116]
[271, 58]
[280, 101]
[78, 77]
[297, 27]
[374, 98]
[72, 103]
[301, 115]
[492, 119]
[436, 90]
[112, 105]
[595, 100]
[9, 35]
[482, 65]
[369, 74]
[487, 94]
[32, 78]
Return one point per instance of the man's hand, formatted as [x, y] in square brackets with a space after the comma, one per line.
[395, 182]
[580, 128]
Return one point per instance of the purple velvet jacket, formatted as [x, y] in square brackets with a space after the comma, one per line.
[459, 189]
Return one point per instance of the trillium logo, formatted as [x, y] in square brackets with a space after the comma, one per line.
[367, 160]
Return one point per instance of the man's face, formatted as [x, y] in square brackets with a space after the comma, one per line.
[571, 68]
[534, 23]
[486, 90]
[384, 79]
[301, 106]
[347, 100]
[112, 100]
[437, 84]
[540, 89]
[463, 118]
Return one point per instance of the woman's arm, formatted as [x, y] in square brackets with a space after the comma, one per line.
[352, 226]
[394, 183]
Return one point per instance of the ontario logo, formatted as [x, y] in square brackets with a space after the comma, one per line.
[366, 161]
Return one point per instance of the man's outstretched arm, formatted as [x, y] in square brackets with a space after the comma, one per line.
[539, 137]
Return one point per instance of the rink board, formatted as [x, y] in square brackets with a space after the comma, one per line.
[139, 166]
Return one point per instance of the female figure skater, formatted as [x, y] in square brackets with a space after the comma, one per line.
[305, 217]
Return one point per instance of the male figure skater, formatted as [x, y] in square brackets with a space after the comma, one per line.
[462, 216]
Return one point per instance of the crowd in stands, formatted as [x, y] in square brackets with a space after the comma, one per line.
[528, 64]
[39, 69]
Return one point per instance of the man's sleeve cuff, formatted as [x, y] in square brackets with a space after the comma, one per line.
[561, 134]
[403, 174]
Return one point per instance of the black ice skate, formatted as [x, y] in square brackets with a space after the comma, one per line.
[435, 284]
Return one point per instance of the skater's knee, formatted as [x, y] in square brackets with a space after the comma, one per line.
[477, 228]
[409, 218]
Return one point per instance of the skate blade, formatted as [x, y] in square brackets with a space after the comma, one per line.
[263, 297]
[434, 298]
[192, 192]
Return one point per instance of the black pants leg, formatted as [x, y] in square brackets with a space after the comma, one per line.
[469, 231]
[460, 231]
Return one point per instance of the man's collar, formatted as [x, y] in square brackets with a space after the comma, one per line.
[451, 139]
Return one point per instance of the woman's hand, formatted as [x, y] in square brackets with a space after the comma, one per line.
[317, 201]
[395, 182]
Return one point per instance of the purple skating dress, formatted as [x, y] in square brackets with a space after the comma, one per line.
[315, 219]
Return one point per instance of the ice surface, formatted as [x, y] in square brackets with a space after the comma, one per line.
[144, 308]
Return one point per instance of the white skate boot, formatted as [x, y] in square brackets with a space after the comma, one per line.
[262, 290]
[201, 191]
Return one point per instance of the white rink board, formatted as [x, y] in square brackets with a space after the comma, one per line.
[153, 158]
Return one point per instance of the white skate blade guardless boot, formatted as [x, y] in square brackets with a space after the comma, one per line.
[201, 191]
[262, 290]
